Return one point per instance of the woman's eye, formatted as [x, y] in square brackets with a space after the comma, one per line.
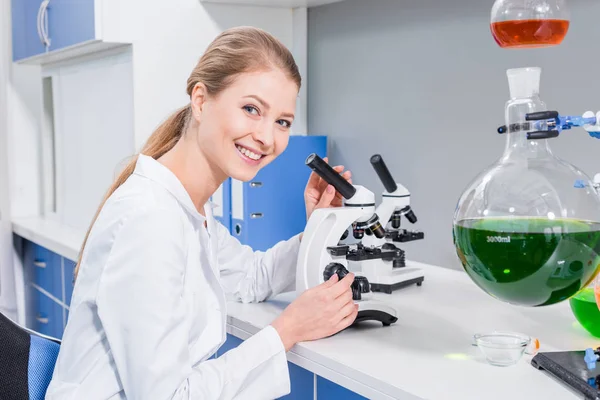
[251, 110]
[284, 123]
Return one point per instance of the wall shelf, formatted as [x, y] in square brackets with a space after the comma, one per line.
[274, 3]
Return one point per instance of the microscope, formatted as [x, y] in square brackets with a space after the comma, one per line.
[323, 254]
[390, 271]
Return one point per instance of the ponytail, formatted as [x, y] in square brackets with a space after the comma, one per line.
[164, 138]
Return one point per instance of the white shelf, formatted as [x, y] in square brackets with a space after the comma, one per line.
[275, 3]
[52, 235]
[75, 51]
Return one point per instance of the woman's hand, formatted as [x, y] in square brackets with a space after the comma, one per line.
[319, 312]
[319, 194]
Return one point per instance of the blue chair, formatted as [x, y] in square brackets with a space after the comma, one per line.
[27, 361]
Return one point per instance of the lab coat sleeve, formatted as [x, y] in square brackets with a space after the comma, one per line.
[143, 311]
[253, 276]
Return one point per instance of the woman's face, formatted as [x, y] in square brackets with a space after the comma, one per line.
[247, 125]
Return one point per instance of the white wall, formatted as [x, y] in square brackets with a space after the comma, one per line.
[168, 39]
[7, 278]
[423, 83]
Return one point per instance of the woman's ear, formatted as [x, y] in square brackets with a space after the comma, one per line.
[198, 98]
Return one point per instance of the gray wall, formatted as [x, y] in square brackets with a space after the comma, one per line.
[423, 83]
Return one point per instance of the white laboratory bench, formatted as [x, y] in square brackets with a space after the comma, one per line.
[428, 352]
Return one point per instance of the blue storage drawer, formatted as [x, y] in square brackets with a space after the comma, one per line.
[47, 315]
[47, 271]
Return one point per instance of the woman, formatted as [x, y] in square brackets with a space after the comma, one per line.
[148, 309]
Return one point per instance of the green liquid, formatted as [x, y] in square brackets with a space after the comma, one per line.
[586, 310]
[529, 261]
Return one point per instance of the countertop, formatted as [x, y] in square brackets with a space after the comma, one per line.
[428, 352]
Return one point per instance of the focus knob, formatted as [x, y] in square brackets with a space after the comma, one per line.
[362, 283]
[334, 268]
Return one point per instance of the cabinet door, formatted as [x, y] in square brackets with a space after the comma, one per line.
[274, 199]
[302, 382]
[48, 315]
[70, 22]
[329, 390]
[26, 41]
[47, 271]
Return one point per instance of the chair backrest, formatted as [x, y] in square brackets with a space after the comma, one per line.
[27, 361]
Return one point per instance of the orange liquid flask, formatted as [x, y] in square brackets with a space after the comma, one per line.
[526, 24]
[529, 33]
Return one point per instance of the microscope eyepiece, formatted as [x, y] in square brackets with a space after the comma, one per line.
[384, 173]
[328, 174]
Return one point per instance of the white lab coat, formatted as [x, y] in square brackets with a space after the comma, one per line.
[149, 305]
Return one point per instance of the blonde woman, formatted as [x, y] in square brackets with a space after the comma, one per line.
[149, 304]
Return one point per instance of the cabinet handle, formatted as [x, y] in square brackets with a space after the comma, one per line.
[40, 264]
[41, 320]
[43, 23]
[39, 22]
[256, 215]
[255, 184]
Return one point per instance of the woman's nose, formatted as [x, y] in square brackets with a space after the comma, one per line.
[264, 135]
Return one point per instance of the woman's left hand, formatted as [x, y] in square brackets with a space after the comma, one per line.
[319, 194]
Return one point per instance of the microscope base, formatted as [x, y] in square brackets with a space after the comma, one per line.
[370, 310]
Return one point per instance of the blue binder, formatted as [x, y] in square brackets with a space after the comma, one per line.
[270, 208]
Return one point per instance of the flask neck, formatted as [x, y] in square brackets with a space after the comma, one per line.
[517, 144]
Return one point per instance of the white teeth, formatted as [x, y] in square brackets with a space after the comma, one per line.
[248, 153]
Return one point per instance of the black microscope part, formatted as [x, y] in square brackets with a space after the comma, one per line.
[344, 235]
[338, 251]
[375, 227]
[384, 173]
[396, 216]
[404, 235]
[362, 283]
[328, 174]
[409, 214]
[334, 268]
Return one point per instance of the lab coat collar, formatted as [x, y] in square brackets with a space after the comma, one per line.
[148, 167]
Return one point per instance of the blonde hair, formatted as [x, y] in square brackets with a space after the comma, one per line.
[235, 51]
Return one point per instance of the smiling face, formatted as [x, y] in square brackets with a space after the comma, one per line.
[247, 125]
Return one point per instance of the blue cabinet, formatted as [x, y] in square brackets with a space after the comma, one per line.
[270, 208]
[330, 390]
[70, 22]
[302, 382]
[26, 41]
[49, 281]
[41, 26]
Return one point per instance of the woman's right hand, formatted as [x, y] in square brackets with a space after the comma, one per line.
[319, 312]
